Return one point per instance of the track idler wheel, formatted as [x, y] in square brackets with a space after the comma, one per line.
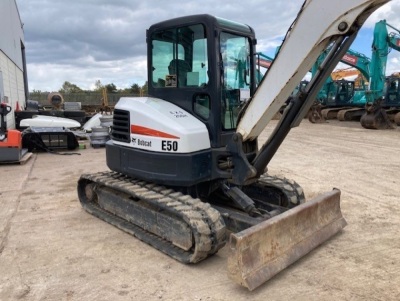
[87, 193]
[90, 194]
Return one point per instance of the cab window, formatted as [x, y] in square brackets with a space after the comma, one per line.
[179, 57]
[235, 57]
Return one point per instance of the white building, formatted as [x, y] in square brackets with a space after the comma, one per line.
[13, 76]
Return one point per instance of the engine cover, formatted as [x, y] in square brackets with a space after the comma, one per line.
[160, 126]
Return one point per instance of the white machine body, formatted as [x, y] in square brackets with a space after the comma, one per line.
[160, 126]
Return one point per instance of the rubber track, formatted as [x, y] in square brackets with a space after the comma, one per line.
[208, 227]
[290, 188]
[342, 114]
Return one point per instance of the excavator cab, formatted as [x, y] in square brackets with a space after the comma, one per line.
[391, 92]
[205, 65]
[340, 93]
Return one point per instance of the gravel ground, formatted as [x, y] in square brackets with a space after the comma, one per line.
[51, 249]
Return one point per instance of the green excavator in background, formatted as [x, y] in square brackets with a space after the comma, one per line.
[383, 94]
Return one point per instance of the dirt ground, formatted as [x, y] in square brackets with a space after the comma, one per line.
[51, 249]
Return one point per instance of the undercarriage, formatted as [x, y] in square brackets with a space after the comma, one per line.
[185, 228]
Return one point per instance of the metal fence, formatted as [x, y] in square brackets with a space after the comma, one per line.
[85, 98]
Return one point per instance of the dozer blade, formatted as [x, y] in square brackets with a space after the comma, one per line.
[260, 252]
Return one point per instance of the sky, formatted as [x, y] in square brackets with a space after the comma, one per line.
[83, 41]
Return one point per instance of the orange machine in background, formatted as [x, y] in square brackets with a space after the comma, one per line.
[10, 140]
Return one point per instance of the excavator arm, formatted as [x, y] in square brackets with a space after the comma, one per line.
[358, 61]
[394, 38]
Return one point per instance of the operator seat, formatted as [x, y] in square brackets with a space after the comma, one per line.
[180, 68]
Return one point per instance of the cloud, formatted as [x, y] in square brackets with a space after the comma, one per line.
[82, 41]
[123, 73]
[389, 12]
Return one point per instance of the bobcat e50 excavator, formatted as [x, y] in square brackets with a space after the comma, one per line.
[186, 167]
